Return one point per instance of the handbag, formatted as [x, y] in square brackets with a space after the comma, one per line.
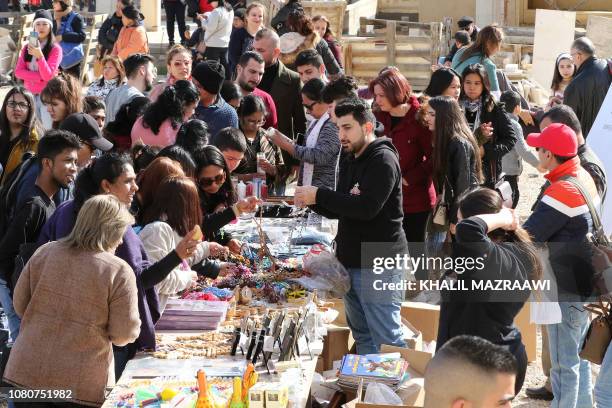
[503, 187]
[599, 335]
[597, 237]
[439, 215]
[72, 53]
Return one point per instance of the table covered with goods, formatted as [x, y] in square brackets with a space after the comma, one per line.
[250, 338]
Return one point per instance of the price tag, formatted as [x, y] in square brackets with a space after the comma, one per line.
[268, 344]
[244, 341]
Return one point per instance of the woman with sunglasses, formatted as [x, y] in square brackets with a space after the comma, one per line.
[19, 129]
[319, 156]
[252, 115]
[218, 199]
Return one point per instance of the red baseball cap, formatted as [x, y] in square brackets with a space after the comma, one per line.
[557, 138]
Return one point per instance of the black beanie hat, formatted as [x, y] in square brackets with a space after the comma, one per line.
[43, 15]
[210, 74]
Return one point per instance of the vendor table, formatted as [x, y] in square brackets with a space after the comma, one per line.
[287, 237]
[144, 366]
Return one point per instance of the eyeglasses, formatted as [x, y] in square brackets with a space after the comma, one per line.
[18, 105]
[208, 181]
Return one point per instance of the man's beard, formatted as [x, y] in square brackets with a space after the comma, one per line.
[246, 86]
[148, 85]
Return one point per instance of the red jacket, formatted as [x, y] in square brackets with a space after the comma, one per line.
[414, 144]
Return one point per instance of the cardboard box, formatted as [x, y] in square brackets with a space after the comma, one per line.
[336, 344]
[414, 395]
[412, 336]
[528, 332]
[424, 317]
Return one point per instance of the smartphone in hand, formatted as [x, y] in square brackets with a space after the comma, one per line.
[33, 39]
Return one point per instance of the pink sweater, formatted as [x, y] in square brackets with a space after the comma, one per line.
[165, 137]
[35, 81]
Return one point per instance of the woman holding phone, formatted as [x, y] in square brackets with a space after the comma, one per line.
[39, 61]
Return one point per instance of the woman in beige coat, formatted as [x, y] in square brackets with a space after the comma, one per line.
[76, 299]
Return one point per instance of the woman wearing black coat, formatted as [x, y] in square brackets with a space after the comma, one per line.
[489, 122]
[456, 167]
[491, 236]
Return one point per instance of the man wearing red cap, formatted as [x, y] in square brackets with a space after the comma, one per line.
[562, 219]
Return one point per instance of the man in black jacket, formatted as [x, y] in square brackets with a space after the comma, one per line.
[285, 88]
[587, 91]
[368, 204]
[57, 154]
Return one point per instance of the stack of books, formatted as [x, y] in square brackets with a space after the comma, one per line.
[389, 369]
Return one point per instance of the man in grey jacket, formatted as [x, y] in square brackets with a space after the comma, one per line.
[140, 72]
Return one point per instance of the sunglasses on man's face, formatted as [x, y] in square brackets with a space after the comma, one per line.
[208, 181]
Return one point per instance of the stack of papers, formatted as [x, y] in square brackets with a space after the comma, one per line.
[183, 314]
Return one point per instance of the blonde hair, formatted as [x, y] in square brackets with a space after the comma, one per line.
[100, 225]
[255, 5]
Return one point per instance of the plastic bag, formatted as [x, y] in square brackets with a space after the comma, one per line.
[326, 272]
[381, 394]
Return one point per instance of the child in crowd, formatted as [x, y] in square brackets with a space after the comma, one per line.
[564, 73]
[462, 39]
[512, 164]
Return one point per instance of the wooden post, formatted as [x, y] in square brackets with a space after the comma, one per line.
[447, 35]
[436, 39]
[391, 37]
[348, 59]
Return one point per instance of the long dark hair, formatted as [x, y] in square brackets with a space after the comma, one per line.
[440, 80]
[170, 105]
[450, 123]
[177, 203]
[299, 22]
[488, 102]
[211, 156]
[182, 156]
[29, 124]
[489, 34]
[482, 200]
[192, 135]
[107, 167]
[46, 49]
[224, 3]
[557, 78]
[251, 104]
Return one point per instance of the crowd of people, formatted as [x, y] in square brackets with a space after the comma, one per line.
[121, 176]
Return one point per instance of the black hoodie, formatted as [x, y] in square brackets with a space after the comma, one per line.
[367, 203]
